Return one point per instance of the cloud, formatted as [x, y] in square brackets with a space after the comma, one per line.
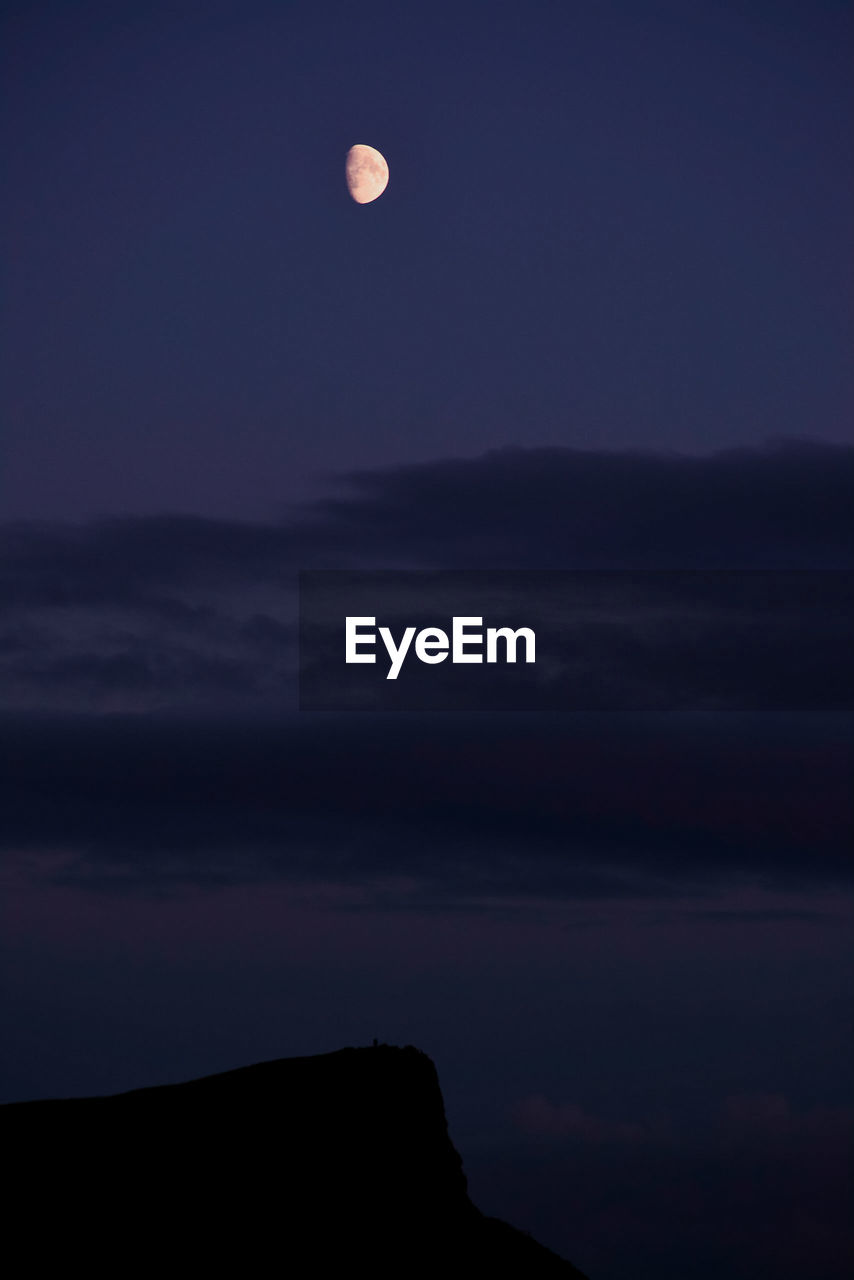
[538, 1117]
[168, 645]
[771, 1117]
[784, 505]
[756, 1120]
[159, 612]
[463, 813]
[771, 1178]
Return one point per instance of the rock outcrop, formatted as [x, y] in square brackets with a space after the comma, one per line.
[300, 1167]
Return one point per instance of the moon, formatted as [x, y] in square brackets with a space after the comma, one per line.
[367, 173]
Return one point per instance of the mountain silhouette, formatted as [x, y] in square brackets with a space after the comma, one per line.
[298, 1167]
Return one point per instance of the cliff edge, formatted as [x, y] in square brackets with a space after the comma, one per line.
[308, 1164]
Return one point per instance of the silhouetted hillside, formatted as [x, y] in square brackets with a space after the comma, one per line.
[302, 1167]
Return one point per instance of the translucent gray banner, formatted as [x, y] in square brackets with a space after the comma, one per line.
[565, 641]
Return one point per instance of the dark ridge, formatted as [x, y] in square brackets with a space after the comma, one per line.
[309, 1166]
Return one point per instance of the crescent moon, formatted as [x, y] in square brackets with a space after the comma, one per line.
[367, 173]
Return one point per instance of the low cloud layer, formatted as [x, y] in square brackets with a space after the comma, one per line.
[168, 645]
[774, 1179]
[172, 612]
[435, 813]
[744, 1121]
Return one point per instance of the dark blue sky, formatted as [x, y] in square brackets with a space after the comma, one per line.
[612, 262]
[607, 225]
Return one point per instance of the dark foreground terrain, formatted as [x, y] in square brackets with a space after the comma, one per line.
[303, 1166]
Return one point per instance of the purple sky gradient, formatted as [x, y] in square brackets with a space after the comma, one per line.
[605, 227]
[612, 264]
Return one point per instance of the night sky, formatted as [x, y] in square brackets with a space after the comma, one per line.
[600, 318]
